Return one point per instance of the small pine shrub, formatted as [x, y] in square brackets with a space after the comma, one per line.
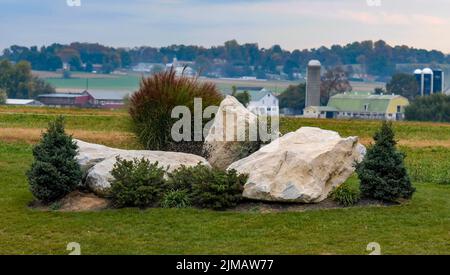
[382, 173]
[176, 199]
[345, 195]
[209, 188]
[55, 171]
[136, 183]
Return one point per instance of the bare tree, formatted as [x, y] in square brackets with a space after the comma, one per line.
[334, 81]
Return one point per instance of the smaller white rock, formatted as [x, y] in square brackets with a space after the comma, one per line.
[99, 160]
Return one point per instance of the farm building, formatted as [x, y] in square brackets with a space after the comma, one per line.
[23, 102]
[263, 102]
[320, 112]
[181, 68]
[147, 67]
[366, 106]
[87, 99]
[107, 99]
[65, 99]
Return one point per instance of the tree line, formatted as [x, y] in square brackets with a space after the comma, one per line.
[17, 81]
[229, 60]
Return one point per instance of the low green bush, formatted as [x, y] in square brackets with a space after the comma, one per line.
[209, 188]
[136, 183]
[176, 199]
[346, 195]
[139, 183]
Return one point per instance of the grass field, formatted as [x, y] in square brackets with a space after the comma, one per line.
[122, 83]
[421, 226]
[131, 82]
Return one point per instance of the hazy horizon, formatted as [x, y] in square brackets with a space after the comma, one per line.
[292, 24]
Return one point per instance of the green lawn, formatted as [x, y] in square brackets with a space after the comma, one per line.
[421, 226]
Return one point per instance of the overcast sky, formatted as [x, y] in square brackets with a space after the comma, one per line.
[293, 24]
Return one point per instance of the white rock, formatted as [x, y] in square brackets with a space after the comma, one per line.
[229, 133]
[90, 154]
[99, 161]
[302, 166]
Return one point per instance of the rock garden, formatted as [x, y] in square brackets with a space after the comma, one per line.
[301, 170]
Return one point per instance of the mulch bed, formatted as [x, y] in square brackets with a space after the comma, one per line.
[79, 201]
[76, 201]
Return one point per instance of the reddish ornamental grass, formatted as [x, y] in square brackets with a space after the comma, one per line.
[151, 106]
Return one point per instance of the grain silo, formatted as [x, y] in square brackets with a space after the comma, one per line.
[427, 81]
[419, 78]
[313, 84]
[438, 81]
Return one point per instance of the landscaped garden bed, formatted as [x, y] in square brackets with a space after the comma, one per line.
[308, 165]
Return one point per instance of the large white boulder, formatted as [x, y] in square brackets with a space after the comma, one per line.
[99, 160]
[229, 136]
[302, 166]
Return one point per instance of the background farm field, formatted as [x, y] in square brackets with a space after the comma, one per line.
[105, 82]
[130, 82]
[421, 226]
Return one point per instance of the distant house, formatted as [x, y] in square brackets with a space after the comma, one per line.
[66, 66]
[249, 78]
[86, 99]
[263, 102]
[147, 67]
[181, 68]
[143, 68]
[184, 71]
[97, 68]
[363, 105]
[23, 102]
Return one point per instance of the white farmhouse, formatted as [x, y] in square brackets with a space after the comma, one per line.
[263, 102]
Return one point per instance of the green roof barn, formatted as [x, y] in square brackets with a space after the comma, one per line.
[362, 105]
